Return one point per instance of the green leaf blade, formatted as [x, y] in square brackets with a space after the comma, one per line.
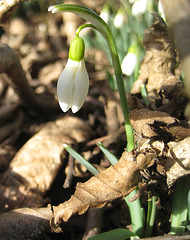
[116, 234]
[111, 157]
[82, 160]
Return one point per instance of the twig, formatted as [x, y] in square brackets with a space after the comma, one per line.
[94, 219]
[10, 64]
[25, 223]
[69, 176]
[7, 8]
[12, 127]
[107, 137]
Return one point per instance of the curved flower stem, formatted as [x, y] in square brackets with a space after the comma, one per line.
[99, 24]
[84, 26]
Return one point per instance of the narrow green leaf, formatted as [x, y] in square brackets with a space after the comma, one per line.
[82, 160]
[116, 234]
[111, 157]
[135, 213]
[188, 204]
[179, 209]
[186, 224]
[144, 94]
[151, 215]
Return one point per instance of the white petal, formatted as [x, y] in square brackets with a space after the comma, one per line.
[80, 87]
[105, 16]
[119, 20]
[65, 85]
[129, 63]
[139, 7]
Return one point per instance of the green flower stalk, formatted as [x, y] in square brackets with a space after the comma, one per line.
[99, 24]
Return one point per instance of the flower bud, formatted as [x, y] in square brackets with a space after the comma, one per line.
[129, 61]
[119, 18]
[77, 48]
[105, 13]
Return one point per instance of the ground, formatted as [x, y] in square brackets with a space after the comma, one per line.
[37, 171]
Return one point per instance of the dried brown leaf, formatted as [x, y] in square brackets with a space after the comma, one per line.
[159, 59]
[115, 182]
[165, 90]
[36, 164]
[178, 20]
[141, 119]
[39, 160]
[178, 160]
[149, 123]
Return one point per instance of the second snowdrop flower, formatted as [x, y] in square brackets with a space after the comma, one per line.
[73, 83]
[129, 62]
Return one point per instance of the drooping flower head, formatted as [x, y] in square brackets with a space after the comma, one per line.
[73, 83]
[119, 19]
[129, 62]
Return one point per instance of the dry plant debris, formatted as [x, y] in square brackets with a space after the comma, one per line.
[163, 139]
[36, 164]
[116, 181]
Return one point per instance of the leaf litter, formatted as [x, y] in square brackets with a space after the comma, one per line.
[37, 155]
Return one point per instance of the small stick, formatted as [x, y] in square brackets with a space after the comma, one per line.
[69, 176]
[10, 64]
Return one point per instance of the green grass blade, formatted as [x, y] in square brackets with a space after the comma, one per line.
[151, 215]
[144, 95]
[179, 210]
[116, 234]
[136, 214]
[82, 160]
[111, 157]
[188, 204]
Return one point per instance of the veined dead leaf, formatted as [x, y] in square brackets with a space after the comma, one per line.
[178, 160]
[115, 182]
[34, 167]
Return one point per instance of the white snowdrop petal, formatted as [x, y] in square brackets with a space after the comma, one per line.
[64, 89]
[105, 16]
[129, 63]
[65, 85]
[139, 7]
[119, 20]
[80, 87]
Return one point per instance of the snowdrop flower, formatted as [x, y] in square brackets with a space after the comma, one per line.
[105, 14]
[129, 62]
[119, 19]
[73, 83]
[139, 7]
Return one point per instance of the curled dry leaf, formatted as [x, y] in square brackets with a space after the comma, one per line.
[178, 19]
[39, 159]
[149, 123]
[178, 160]
[115, 182]
[36, 164]
[159, 59]
[161, 126]
[141, 119]
[165, 90]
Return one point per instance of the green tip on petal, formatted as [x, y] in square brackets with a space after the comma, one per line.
[53, 9]
[77, 48]
[50, 8]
